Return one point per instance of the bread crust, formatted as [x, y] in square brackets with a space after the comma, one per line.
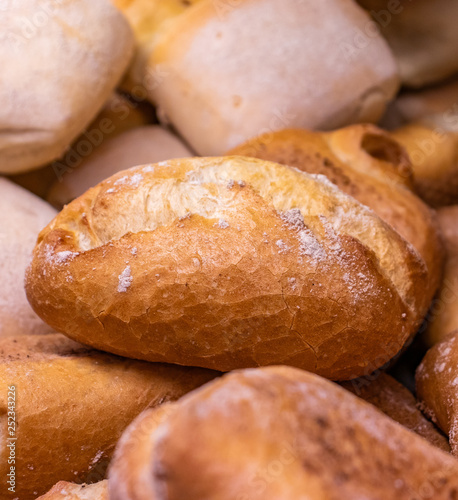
[437, 382]
[72, 404]
[70, 491]
[273, 433]
[366, 163]
[228, 263]
[396, 401]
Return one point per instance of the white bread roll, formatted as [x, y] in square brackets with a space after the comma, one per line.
[60, 61]
[422, 35]
[149, 144]
[23, 216]
[226, 73]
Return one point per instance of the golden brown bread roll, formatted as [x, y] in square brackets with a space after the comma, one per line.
[220, 80]
[433, 149]
[443, 316]
[72, 403]
[437, 386]
[23, 216]
[136, 146]
[396, 401]
[228, 263]
[366, 163]
[276, 433]
[70, 491]
[72, 58]
[422, 35]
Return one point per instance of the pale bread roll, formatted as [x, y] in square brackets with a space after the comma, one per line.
[422, 35]
[72, 403]
[276, 433]
[23, 216]
[443, 316]
[230, 72]
[229, 263]
[70, 491]
[148, 144]
[117, 115]
[60, 61]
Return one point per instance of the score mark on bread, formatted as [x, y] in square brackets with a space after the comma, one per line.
[238, 263]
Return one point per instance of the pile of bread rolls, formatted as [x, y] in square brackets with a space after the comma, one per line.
[229, 250]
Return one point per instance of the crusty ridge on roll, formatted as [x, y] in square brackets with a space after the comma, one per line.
[275, 433]
[227, 263]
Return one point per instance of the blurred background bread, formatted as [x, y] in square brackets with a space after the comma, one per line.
[72, 59]
[23, 216]
[72, 404]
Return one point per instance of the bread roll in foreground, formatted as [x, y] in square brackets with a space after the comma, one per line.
[72, 404]
[228, 263]
[23, 216]
[134, 147]
[72, 55]
[70, 491]
[443, 317]
[275, 433]
[366, 163]
[437, 387]
[396, 401]
[229, 71]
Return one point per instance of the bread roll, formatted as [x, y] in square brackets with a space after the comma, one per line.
[72, 404]
[437, 386]
[224, 80]
[137, 146]
[396, 401]
[414, 105]
[443, 316]
[118, 115]
[433, 149]
[70, 491]
[422, 35]
[23, 216]
[145, 18]
[71, 54]
[366, 163]
[276, 433]
[228, 263]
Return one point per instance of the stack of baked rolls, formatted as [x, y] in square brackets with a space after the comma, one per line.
[236, 325]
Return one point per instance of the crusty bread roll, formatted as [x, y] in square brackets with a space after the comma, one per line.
[228, 263]
[422, 35]
[71, 54]
[366, 163]
[224, 80]
[433, 149]
[145, 18]
[23, 216]
[396, 401]
[72, 404]
[276, 433]
[70, 491]
[443, 316]
[437, 386]
[149, 144]
[118, 115]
